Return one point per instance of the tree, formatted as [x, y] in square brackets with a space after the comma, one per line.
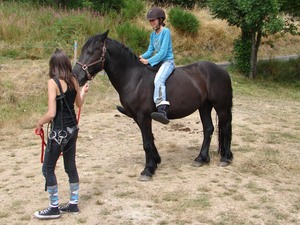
[291, 7]
[256, 19]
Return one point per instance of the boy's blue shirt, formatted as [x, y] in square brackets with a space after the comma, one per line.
[161, 44]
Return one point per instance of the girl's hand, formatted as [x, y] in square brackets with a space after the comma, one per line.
[85, 89]
[144, 61]
[38, 129]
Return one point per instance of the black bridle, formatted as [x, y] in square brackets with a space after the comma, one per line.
[101, 60]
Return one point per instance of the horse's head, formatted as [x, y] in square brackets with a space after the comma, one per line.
[91, 60]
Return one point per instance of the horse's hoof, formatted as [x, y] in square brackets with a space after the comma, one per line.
[223, 164]
[144, 178]
[197, 164]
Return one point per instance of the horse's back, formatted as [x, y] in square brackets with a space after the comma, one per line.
[193, 85]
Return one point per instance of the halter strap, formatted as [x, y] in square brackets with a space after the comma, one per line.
[101, 60]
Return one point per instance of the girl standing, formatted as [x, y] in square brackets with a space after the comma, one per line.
[63, 136]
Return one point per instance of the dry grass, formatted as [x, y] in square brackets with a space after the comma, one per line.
[260, 187]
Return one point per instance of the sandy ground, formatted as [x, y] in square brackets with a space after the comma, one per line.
[261, 186]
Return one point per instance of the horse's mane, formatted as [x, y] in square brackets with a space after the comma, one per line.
[124, 48]
[117, 44]
[90, 40]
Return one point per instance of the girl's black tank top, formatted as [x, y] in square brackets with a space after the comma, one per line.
[67, 114]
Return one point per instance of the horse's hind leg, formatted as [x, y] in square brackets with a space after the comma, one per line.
[225, 134]
[208, 129]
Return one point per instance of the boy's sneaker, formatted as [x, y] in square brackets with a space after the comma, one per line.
[49, 213]
[70, 208]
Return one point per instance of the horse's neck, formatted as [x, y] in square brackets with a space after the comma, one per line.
[122, 66]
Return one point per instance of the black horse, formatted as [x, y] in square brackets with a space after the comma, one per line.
[200, 86]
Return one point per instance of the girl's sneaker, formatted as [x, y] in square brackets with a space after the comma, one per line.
[70, 208]
[48, 213]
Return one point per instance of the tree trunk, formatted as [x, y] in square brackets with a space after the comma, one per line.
[255, 46]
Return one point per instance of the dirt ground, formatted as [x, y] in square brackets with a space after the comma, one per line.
[261, 186]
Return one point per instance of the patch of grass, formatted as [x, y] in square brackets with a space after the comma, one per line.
[229, 217]
[99, 202]
[25, 218]
[279, 215]
[124, 194]
[283, 72]
[174, 197]
[86, 197]
[273, 137]
[201, 202]
[105, 211]
[296, 205]
[254, 188]
[17, 204]
[82, 220]
[97, 192]
[289, 137]
[4, 214]
[239, 197]
[163, 223]
[204, 189]
[267, 89]
[243, 149]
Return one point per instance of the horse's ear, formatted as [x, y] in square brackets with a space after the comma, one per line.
[105, 34]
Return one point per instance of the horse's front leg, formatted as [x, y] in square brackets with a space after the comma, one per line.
[152, 156]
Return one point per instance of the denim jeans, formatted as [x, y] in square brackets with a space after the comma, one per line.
[51, 156]
[165, 70]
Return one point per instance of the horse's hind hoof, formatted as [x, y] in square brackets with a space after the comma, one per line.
[144, 178]
[224, 164]
[198, 164]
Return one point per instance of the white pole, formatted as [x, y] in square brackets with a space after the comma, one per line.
[75, 52]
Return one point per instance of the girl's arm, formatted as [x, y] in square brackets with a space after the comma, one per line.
[81, 93]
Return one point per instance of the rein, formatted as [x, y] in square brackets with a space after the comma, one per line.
[101, 60]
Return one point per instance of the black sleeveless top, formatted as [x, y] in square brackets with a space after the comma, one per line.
[69, 118]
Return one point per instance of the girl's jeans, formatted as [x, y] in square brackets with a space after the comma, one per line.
[51, 156]
[162, 75]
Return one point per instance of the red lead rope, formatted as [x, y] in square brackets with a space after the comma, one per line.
[42, 135]
[78, 115]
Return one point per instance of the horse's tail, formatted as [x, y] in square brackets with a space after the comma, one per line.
[225, 127]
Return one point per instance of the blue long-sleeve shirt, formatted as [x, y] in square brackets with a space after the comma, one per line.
[161, 44]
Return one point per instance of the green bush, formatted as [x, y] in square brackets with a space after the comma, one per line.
[183, 21]
[102, 6]
[189, 4]
[132, 9]
[241, 54]
[137, 39]
[285, 72]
